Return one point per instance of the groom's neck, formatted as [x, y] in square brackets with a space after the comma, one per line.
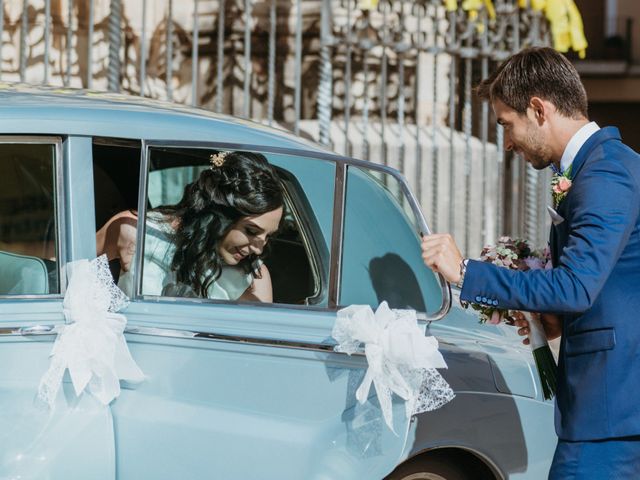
[564, 128]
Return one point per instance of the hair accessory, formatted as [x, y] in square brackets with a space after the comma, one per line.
[217, 159]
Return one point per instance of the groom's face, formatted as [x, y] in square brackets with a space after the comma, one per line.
[524, 135]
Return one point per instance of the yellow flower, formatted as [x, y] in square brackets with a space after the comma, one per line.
[564, 18]
[566, 23]
[539, 4]
[578, 40]
[368, 4]
[451, 5]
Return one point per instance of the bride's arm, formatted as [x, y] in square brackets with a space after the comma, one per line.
[260, 289]
[117, 238]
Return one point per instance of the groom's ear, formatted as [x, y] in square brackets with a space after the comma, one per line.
[540, 108]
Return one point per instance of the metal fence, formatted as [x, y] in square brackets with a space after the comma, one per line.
[391, 83]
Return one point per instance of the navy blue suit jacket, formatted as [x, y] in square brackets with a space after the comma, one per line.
[594, 286]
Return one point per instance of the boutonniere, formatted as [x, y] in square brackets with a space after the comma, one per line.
[560, 186]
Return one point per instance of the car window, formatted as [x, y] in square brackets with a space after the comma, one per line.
[116, 178]
[28, 224]
[381, 256]
[296, 255]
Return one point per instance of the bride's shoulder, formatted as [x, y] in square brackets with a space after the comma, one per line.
[122, 224]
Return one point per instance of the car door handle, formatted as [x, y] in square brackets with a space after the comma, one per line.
[37, 330]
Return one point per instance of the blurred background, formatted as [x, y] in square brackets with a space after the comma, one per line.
[611, 69]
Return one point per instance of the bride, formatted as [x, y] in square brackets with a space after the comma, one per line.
[209, 244]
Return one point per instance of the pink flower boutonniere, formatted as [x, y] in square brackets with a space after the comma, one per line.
[560, 186]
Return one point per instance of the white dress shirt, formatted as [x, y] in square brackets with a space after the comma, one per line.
[576, 142]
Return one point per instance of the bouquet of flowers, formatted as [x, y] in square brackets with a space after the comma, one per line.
[516, 254]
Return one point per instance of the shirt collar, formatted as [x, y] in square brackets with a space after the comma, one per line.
[576, 142]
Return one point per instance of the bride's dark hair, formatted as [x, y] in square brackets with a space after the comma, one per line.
[243, 184]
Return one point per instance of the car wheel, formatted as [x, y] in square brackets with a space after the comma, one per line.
[430, 469]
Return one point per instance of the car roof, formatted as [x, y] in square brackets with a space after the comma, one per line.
[37, 110]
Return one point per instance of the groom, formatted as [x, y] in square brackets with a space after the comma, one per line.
[594, 287]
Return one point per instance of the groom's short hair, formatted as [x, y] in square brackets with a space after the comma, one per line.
[537, 72]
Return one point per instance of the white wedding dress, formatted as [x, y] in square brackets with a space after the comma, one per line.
[157, 274]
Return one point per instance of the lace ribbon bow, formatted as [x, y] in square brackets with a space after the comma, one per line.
[91, 344]
[401, 359]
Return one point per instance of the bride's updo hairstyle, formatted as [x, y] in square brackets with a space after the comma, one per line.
[238, 184]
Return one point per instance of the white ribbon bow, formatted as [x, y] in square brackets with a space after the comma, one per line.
[91, 344]
[401, 359]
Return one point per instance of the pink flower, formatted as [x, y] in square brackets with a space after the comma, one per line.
[495, 318]
[564, 184]
[556, 188]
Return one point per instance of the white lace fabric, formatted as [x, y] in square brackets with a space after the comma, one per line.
[401, 359]
[91, 345]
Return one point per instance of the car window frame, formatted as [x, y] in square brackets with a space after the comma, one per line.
[335, 251]
[315, 254]
[58, 209]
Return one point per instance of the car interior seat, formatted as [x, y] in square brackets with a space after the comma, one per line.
[291, 276]
[22, 275]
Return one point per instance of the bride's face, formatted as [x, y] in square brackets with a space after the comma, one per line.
[248, 235]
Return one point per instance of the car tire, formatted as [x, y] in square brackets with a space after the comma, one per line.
[431, 468]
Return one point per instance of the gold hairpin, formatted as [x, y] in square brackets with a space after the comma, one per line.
[217, 159]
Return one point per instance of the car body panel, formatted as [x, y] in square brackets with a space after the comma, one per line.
[59, 111]
[253, 411]
[512, 364]
[510, 433]
[75, 439]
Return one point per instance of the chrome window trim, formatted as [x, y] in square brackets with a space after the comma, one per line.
[58, 208]
[33, 330]
[142, 224]
[199, 301]
[41, 330]
[316, 271]
[317, 154]
[337, 231]
[255, 341]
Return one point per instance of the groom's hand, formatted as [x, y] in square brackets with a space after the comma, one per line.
[441, 254]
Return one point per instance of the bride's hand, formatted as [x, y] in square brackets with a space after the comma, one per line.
[550, 322]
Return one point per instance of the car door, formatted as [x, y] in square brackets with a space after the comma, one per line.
[246, 390]
[74, 439]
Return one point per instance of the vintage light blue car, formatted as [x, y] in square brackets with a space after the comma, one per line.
[237, 390]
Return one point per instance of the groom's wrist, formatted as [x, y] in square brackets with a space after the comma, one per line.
[463, 271]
